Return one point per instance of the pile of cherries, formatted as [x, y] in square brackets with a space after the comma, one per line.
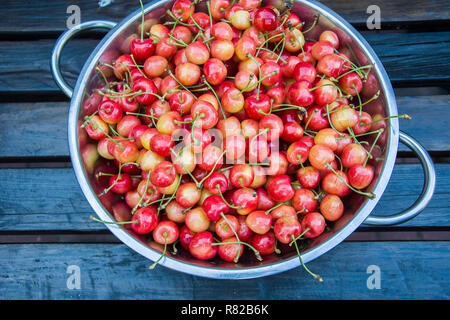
[225, 131]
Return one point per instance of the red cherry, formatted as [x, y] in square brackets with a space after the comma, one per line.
[166, 232]
[163, 175]
[309, 177]
[264, 243]
[265, 19]
[141, 50]
[214, 206]
[316, 224]
[147, 220]
[331, 207]
[360, 176]
[200, 246]
[304, 201]
[280, 188]
[287, 229]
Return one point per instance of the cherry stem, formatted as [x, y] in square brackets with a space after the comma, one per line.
[316, 276]
[188, 172]
[235, 233]
[361, 134]
[403, 116]
[143, 195]
[259, 73]
[95, 126]
[370, 195]
[274, 207]
[350, 130]
[254, 137]
[331, 124]
[142, 23]
[257, 254]
[373, 145]
[173, 194]
[309, 119]
[215, 94]
[316, 19]
[212, 170]
[174, 248]
[226, 202]
[104, 77]
[163, 253]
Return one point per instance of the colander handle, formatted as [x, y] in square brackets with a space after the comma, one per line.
[59, 45]
[427, 191]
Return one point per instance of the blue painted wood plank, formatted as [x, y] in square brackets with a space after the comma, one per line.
[409, 270]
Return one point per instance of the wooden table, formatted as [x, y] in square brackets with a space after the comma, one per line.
[44, 217]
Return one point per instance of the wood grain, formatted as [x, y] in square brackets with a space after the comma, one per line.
[50, 199]
[409, 270]
[51, 16]
[409, 58]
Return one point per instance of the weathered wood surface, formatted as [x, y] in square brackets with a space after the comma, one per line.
[409, 58]
[43, 126]
[409, 270]
[51, 16]
[50, 199]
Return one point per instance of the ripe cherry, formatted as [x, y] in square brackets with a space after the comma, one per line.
[315, 222]
[200, 246]
[331, 207]
[287, 228]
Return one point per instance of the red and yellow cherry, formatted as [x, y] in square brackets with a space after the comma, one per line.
[188, 195]
[304, 71]
[278, 164]
[175, 212]
[360, 176]
[187, 73]
[336, 183]
[211, 158]
[353, 154]
[309, 177]
[259, 222]
[321, 49]
[325, 92]
[330, 65]
[331, 37]
[299, 93]
[283, 211]
[205, 113]
[363, 124]
[197, 52]
[196, 220]
[331, 207]
[315, 222]
[147, 219]
[146, 91]
[294, 40]
[224, 226]
[344, 117]
[166, 232]
[163, 175]
[319, 155]
[169, 122]
[351, 83]
[183, 9]
[181, 102]
[297, 153]
[222, 31]
[230, 249]
[245, 199]
[222, 49]
[161, 144]
[241, 175]
[270, 73]
[110, 112]
[200, 246]
[232, 100]
[257, 149]
[327, 137]
[216, 183]
[280, 188]
[286, 228]
[304, 200]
